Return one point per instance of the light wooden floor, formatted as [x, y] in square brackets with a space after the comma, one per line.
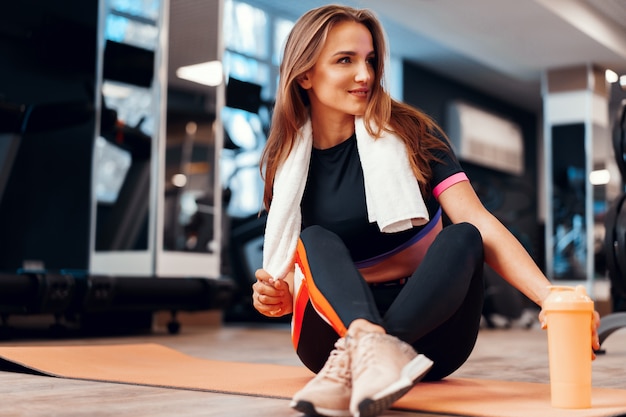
[510, 354]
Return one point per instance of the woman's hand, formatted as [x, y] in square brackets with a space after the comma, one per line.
[271, 297]
[595, 338]
[595, 323]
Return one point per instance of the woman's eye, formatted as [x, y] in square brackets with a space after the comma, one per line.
[344, 60]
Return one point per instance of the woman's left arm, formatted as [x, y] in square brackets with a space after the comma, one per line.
[503, 252]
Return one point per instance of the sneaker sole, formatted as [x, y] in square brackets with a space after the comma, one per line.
[412, 373]
[309, 409]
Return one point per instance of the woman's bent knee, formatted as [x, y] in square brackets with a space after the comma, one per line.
[466, 232]
[466, 236]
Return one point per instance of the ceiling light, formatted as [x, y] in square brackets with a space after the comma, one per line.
[622, 81]
[115, 90]
[206, 73]
[191, 128]
[600, 177]
[179, 180]
[611, 76]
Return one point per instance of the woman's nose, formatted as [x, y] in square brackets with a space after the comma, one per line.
[364, 72]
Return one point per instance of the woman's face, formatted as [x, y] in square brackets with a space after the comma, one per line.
[340, 81]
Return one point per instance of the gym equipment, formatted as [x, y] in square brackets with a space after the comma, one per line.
[58, 232]
[615, 239]
[244, 138]
[35, 292]
[97, 303]
[101, 296]
[107, 303]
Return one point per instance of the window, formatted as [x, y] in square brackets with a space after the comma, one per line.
[282, 28]
[245, 29]
[254, 39]
[133, 22]
[249, 69]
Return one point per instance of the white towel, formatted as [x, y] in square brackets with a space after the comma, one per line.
[392, 193]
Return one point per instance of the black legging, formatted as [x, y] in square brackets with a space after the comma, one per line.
[437, 311]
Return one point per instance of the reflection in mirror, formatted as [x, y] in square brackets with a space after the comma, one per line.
[244, 140]
[129, 118]
[192, 203]
[603, 192]
[189, 208]
[569, 197]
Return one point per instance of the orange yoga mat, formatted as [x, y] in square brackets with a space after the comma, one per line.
[156, 365]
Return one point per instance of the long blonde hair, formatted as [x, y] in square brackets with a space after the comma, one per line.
[302, 50]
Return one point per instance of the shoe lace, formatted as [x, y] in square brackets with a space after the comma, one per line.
[337, 365]
[367, 352]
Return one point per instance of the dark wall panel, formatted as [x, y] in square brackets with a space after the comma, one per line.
[48, 72]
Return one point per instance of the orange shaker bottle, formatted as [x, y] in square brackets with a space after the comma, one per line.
[569, 312]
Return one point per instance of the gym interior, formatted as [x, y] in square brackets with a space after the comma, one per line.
[130, 191]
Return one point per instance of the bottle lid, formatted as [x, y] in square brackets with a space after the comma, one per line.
[563, 297]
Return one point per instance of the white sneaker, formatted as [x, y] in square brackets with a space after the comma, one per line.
[384, 368]
[329, 392]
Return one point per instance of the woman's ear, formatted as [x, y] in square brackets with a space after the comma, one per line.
[304, 81]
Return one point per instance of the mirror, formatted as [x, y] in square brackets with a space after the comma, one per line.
[128, 125]
[569, 176]
[191, 207]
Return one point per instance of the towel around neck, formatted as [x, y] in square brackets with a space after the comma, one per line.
[392, 193]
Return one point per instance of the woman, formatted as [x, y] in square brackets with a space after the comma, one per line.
[355, 185]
